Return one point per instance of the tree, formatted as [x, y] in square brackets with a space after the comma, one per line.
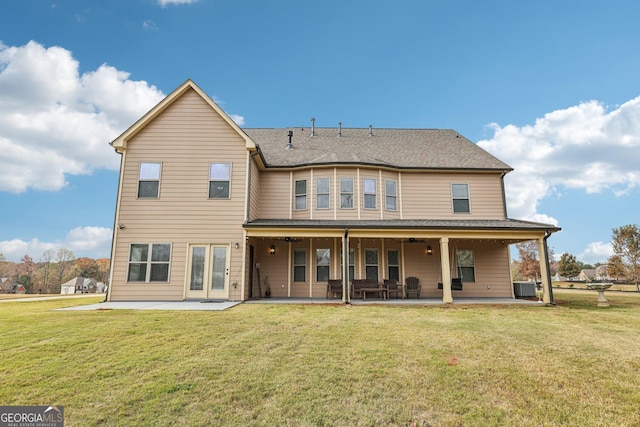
[529, 264]
[568, 266]
[615, 267]
[3, 266]
[626, 245]
[26, 270]
[63, 258]
[87, 267]
[46, 268]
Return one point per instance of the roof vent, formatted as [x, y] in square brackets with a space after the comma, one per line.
[370, 131]
[290, 145]
[339, 129]
[313, 126]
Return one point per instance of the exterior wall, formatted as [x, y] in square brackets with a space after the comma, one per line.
[428, 196]
[254, 209]
[420, 195]
[186, 138]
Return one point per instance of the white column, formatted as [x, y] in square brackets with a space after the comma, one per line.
[544, 273]
[447, 298]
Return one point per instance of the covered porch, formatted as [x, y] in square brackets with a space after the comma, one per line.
[451, 260]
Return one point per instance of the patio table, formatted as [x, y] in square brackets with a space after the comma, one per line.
[377, 290]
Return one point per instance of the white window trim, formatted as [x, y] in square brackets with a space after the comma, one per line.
[149, 180]
[353, 204]
[217, 180]
[296, 195]
[328, 193]
[374, 194]
[293, 261]
[148, 262]
[395, 196]
[468, 198]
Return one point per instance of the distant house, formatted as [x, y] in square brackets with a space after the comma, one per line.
[587, 274]
[79, 285]
[8, 286]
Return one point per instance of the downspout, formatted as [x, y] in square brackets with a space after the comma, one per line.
[346, 297]
[113, 233]
[546, 260]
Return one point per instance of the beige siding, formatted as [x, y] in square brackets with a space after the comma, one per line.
[256, 189]
[274, 194]
[429, 195]
[185, 138]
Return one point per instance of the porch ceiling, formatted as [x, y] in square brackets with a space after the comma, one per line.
[508, 230]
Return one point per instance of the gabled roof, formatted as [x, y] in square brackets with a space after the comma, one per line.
[443, 149]
[120, 143]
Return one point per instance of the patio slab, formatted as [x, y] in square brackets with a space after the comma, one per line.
[206, 305]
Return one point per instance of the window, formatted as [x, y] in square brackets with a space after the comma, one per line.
[301, 195]
[369, 193]
[346, 193]
[219, 180]
[322, 193]
[145, 268]
[391, 195]
[466, 265]
[460, 193]
[149, 181]
[323, 260]
[299, 265]
[371, 264]
[393, 264]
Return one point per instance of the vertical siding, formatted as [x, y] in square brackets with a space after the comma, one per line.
[186, 138]
[429, 195]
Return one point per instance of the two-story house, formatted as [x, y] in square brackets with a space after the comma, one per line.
[204, 208]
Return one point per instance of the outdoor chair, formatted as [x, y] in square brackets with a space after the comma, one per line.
[334, 288]
[412, 287]
[392, 287]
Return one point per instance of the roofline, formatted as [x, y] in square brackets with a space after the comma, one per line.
[120, 142]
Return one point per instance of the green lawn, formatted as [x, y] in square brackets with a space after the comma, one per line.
[303, 365]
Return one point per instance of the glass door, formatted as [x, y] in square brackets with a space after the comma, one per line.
[208, 272]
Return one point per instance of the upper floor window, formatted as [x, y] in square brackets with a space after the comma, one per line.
[346, 193]
[369, 193]
[299, 265]
[323, 261]
[149, 180]
[391, 195]
[149, 262]
[300, 195]
[460, 193]
[322, 193]
[219, 180]
[466, 265]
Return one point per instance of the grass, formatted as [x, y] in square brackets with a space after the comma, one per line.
[303, 365]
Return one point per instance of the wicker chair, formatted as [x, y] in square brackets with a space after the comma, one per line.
[412, 287]
[393, 287]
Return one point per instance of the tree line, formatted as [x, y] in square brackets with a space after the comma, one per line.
[52, 270]
[623, 265]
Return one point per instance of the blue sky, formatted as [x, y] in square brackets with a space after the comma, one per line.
[551, 88]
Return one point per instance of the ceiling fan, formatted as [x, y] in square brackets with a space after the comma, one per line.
[412, 240]
[288, 239]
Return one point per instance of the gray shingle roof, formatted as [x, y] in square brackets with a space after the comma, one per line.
[396, 148]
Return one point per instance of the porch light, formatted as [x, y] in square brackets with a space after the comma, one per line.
[429, 251]
[272, 250]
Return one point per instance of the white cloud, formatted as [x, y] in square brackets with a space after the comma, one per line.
[149, 25]
[238, 119]
[584, 147]
[596, 252]
[165, 3]
[55, 122]
[94, 242]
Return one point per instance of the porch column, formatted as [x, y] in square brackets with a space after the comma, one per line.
[447, 298]
[346, 298]
[544, 273]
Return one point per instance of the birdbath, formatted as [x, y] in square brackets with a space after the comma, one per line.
[600, 287]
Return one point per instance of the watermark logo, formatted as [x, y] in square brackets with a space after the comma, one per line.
[31, 416]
